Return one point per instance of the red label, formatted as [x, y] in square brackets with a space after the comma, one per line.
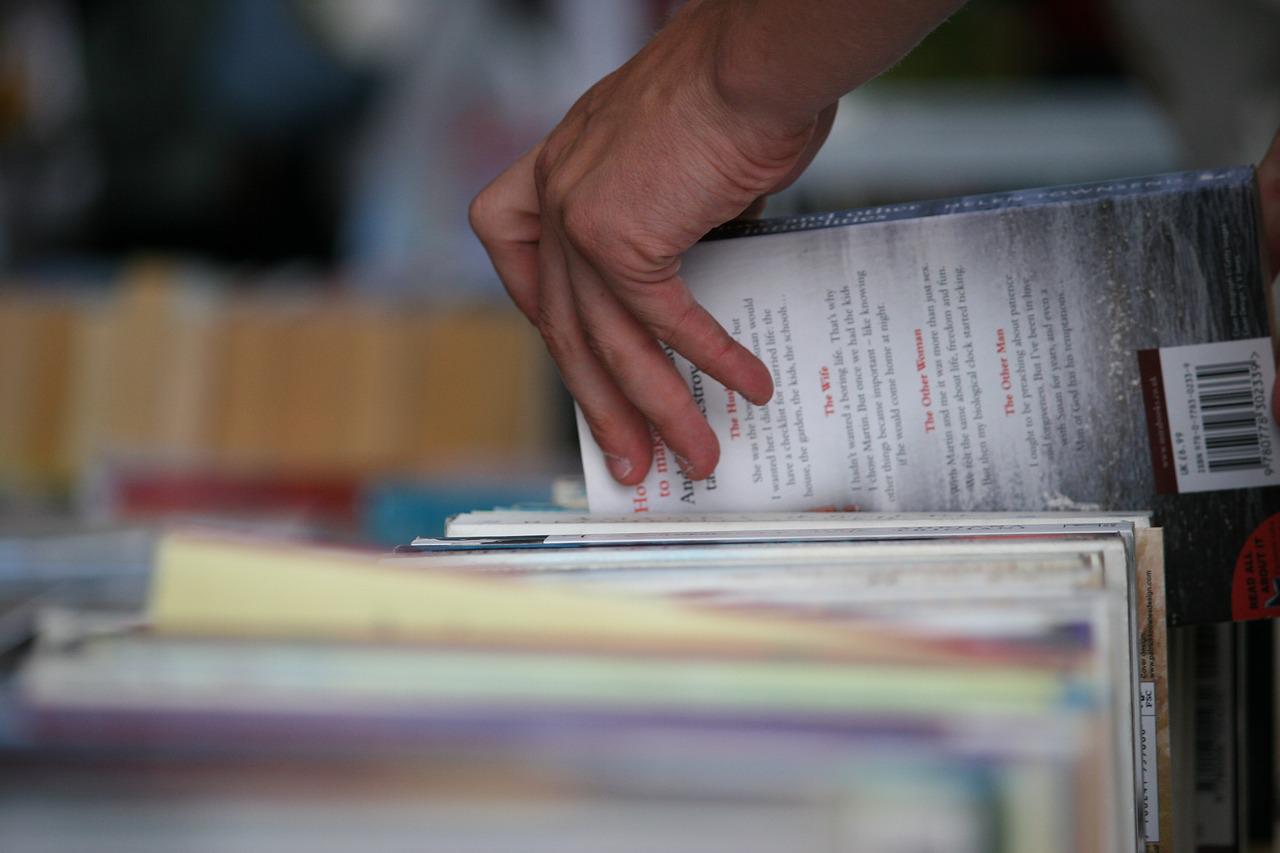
[1255, 590]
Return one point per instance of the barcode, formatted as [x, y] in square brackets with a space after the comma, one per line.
[1214, 430]
[1224, 393]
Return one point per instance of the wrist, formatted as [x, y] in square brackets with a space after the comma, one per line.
[746, 79]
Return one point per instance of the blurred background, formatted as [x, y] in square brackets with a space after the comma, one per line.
[237, 275]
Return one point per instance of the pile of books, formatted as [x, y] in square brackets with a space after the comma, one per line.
[824, 682]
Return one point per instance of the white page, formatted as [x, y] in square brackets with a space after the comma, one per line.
[911, 363]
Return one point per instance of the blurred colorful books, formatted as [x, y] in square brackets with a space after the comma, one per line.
[177, 371]
[870, 683]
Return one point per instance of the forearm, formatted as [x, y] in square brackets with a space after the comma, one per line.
[784, 60]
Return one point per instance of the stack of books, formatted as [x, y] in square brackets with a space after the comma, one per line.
[958, 683]
[813, 681]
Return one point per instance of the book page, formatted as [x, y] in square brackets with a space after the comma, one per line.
[915, 366]
[494, 523]
[210, 584]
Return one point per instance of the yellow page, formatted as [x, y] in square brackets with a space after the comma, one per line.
[209, 584]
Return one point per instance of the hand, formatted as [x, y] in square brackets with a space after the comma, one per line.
[1269, 196]
[587, 229]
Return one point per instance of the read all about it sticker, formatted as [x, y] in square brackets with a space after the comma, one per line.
[1255, 589]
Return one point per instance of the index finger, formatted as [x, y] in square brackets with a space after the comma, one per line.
[670, 312]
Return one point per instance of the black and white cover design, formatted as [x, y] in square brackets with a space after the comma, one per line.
[975, 354]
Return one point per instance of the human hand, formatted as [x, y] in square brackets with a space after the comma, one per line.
[1269, 197]
[1269, 192]
[587, 229]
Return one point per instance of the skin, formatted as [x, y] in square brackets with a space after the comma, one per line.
[727, 104]
[1269, 195]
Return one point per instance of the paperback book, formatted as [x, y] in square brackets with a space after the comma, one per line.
[1101, 346]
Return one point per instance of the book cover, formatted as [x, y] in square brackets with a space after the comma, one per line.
[982, 353]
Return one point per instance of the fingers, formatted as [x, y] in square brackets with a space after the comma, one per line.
[662, 304]
[1269, 192]
[599, 322]
[670, 312]
[619, 429]
[621, 318]
[642, 370]
[696, 335]
[644, 385]
[505, 218]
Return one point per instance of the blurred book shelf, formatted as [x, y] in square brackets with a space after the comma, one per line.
[175, 393]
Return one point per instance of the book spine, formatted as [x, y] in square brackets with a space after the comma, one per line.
[1153, 694]
[1174, 182]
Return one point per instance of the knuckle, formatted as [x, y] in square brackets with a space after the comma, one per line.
[584, 229]
[543, 168]
[480, 214]
[556, 188]
[646, 257]
[548, 173]
[605, 235]
[602, 423]
[652, 303]
[721, 347]
[671, 318]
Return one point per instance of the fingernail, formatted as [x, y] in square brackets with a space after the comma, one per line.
[682, 464]
[619, 466]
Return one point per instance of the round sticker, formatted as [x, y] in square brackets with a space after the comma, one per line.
[1255, 590]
